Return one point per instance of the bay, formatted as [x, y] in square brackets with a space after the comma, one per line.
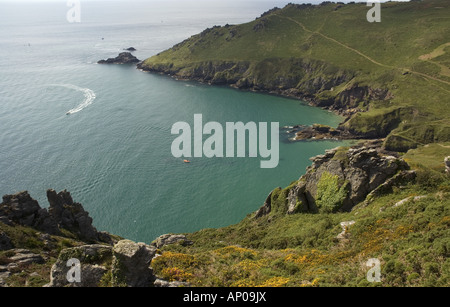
[113, 154]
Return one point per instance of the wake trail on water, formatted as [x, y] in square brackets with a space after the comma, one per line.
[89, 97]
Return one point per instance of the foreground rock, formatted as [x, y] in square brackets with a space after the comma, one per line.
[63, 213]
[93, 264]
[122, 58]
[127, 264]
[131, 265]
[447, 165]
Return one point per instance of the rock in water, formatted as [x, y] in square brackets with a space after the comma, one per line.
[122, 58]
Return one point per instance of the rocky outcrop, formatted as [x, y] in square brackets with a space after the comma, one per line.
[63, 213]
[93, 265]
[340, 179]
[70, 215]
[169, 239]
[447, 165]
[122, 58]
[126, 264]
[131, 264]
[131, 49]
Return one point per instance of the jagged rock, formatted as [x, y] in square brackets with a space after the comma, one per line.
[19, 208]
[63, 213]
[5, 242]
[93, 266]
[447, 165]
[70, 215]
[168, 239]
[131, 264]
[122, 58]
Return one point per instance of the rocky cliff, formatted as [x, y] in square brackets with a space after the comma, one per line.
[339, 180]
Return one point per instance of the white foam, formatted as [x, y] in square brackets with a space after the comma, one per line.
[89, 97]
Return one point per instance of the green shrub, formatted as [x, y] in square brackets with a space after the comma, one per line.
[331, 193]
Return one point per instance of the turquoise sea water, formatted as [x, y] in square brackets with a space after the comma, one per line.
[113, 152]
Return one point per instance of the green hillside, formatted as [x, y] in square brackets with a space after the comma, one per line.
[397, 71]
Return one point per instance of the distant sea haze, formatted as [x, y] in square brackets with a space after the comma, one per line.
[103, 132]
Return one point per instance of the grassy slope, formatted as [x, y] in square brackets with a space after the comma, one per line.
[407, 53]
[412, 241]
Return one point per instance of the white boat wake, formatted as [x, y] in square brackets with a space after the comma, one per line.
[89, 97]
